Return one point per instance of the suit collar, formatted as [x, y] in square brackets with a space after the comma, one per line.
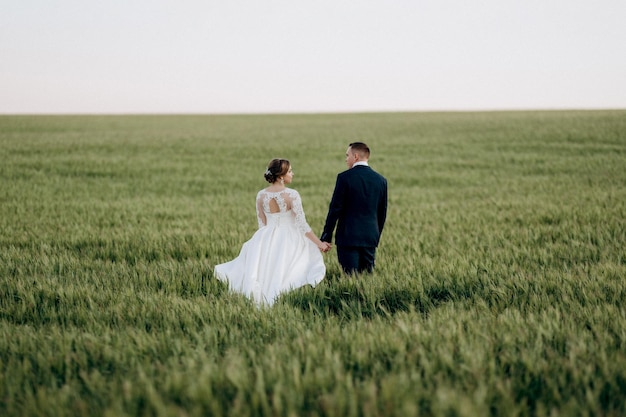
[360, 164]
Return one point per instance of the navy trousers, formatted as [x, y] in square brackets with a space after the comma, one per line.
[356, 259]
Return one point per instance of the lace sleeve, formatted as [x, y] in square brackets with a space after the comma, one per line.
[298, 211]
[260, 214]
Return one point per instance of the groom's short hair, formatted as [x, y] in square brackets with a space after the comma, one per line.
[361, 148]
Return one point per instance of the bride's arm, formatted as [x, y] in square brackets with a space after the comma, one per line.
[260, 214]
[301, 223]
[323, 246]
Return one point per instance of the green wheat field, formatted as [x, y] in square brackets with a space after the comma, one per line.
[499, 288]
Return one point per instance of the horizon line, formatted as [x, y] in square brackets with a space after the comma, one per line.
[311, 112]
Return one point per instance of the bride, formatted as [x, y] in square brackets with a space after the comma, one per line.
[283, 253]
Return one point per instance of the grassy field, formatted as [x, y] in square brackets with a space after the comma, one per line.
[499, 290]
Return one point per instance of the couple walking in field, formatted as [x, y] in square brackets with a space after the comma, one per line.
[285, 254]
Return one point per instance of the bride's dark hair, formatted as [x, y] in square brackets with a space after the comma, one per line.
[276, 169]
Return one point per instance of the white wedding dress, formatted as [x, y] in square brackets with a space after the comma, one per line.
[278, 257]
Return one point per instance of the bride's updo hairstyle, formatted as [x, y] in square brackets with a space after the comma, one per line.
[276, 169]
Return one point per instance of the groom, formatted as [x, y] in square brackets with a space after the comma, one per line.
[358, 208]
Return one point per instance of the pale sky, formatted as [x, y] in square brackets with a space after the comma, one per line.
[286, 56]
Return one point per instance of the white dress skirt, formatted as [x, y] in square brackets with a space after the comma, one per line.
[279, 257]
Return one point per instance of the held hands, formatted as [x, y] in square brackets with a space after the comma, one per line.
[325, 246]
[321, 245]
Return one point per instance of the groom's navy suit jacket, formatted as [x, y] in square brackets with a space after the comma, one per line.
[358, 208]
